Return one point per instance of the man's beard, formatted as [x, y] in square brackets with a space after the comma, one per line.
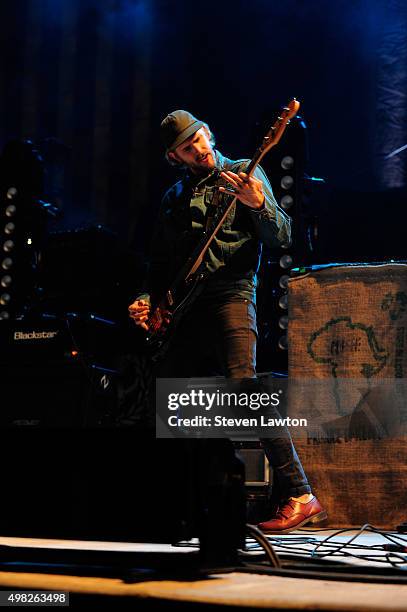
[200, 168]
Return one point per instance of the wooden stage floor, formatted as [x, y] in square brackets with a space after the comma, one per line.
[115, 587]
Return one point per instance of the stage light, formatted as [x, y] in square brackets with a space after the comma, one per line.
[287, 162]
[9, 228]
[11, 210]
[7, 263]
[11, 193]
[287, 181]
[8, 246]
[285, 167]
[6, 281]
[23, 225]
[283, 343]
[286, 202]
[4, 315]
[283, 322]
[286, 261]
[283, 282]
[283, 301]
[5, 299]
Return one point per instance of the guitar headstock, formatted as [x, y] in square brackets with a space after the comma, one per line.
[276, 131]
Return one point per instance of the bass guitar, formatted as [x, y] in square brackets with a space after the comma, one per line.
[190, 279]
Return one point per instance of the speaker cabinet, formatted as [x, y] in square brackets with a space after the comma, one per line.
[54, 396]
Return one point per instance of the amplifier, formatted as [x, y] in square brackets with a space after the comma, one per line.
[50, 376]
[62, 395]
[50, 338]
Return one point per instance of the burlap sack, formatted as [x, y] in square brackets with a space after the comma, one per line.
[347, 333]
[349, 321]
[347, 343]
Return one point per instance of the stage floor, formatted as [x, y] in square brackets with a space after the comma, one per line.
[88, 569]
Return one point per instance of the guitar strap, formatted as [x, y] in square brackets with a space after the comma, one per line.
[213, 210]
[213, 206]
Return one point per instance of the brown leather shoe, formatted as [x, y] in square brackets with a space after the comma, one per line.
[294, 514]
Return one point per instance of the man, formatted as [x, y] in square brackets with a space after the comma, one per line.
[221, 324]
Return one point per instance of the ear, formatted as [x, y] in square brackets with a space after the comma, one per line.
[173, 157]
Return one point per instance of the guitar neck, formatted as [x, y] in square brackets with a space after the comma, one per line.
[270, 140]
[204, 245]
[254, 162]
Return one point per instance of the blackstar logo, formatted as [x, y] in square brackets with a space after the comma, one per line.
[34, 335]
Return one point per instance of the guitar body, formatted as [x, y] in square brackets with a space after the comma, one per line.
[164, 319]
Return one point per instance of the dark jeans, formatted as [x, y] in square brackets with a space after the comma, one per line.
[220, 338]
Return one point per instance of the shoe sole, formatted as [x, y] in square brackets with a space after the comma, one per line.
[317, 519]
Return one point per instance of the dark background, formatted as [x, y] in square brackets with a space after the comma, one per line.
[90, 80]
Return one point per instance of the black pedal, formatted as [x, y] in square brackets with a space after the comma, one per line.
[402, 528]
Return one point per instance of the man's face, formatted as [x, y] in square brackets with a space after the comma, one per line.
[196, 152]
